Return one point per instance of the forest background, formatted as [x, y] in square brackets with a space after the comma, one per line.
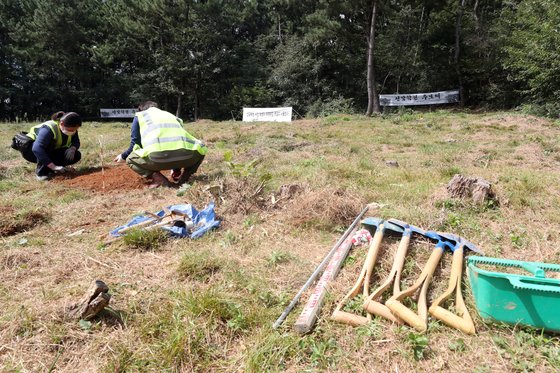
[209, 59]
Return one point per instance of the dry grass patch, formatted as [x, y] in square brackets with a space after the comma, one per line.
[15, 259]
[324, 208]
[242, 195]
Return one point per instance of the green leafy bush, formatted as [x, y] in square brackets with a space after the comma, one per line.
[547, 109]
[338, 105]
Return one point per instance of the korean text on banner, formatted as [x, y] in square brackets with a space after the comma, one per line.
[282, 114]
[409, 99]
[117, 113]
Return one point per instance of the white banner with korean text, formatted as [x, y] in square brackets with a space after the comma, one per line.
[117, 113]
[432, 98]
[279, 114]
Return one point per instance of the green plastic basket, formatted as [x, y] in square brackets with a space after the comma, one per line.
[513, 298]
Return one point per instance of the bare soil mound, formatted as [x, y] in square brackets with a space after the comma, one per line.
[104, 180]
[14, 221]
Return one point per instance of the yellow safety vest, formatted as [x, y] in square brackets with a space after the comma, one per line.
[163, 131]
[55, 129]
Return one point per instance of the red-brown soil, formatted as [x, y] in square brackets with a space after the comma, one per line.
[109, 179]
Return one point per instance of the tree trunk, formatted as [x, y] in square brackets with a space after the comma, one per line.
[458, 52]
[279, 29]
[373, 99]
[195, 106]
[475, 15]
[417, 49]
[196, 100]
[179, 104]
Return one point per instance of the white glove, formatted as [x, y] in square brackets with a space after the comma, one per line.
[118, 159]
[59, 169]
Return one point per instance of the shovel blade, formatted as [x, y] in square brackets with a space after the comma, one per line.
[472, 247]
[458, 239]
[403, 225]
[371, 224]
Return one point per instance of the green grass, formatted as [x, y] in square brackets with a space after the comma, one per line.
[278, 257]
[143, 239]
[199, 265]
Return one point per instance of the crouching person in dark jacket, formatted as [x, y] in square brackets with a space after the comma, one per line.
[53, 145]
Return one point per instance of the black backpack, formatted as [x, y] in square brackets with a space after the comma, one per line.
[22, 142]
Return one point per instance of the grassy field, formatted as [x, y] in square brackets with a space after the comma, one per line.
[284, 194]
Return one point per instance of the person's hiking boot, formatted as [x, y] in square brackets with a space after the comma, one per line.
[185, 176]
[175, 174]
[158, 180]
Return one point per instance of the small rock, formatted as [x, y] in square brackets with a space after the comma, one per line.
[392, 164]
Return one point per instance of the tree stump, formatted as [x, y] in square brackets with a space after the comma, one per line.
[95, 300]
[476, 189]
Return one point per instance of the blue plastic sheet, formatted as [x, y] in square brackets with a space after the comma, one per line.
[203, 221]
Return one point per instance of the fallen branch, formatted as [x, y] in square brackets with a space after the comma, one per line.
[100, 263]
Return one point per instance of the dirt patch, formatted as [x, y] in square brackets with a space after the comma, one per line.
[14, 221]
[106, 180]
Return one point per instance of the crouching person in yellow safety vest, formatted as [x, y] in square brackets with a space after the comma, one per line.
[53, 145]
[159, 142]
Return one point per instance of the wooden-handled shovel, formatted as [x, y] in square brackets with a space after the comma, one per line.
[371, 258]
[365, 275]
[419, 321]
[372, 303]
[463, 323]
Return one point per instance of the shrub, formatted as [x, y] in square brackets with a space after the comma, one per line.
[338, 105]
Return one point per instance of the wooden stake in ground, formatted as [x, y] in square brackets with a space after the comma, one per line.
[100, 139]
[95, 300]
